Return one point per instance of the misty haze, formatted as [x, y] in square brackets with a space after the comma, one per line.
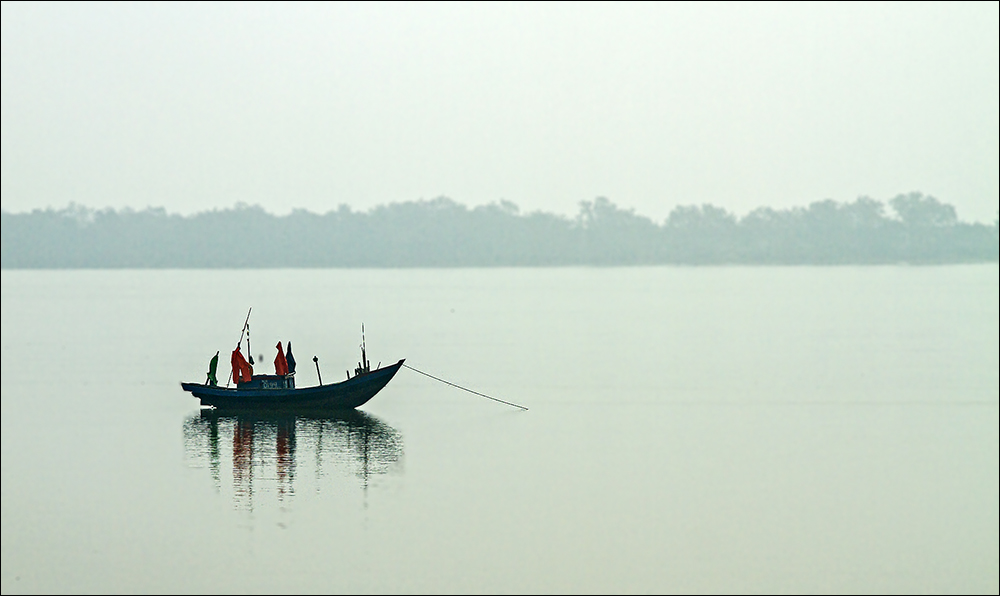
[586, 298]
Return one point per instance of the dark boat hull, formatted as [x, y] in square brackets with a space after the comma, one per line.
[345, 395]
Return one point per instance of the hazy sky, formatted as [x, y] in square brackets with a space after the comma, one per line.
[199, 106]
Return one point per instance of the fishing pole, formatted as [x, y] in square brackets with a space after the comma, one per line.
[463, 388]
[245, 324]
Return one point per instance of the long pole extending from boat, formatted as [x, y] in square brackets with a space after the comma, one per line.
[242, 331]
[316, 360]
[364, 356]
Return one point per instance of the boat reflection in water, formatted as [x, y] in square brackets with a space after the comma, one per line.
[269, 448]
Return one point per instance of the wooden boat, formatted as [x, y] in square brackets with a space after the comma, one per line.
[278, 391]
[275, 392]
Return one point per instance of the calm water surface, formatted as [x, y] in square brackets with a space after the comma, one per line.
[742, 429]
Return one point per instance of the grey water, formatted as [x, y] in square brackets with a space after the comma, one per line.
[717, 429]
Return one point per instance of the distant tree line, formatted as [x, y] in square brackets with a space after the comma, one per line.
[915, 228]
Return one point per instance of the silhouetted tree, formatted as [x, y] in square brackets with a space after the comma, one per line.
[443, 233]
[918, 210]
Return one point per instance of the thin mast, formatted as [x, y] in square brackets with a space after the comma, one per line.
[246, 326]
[364, 356]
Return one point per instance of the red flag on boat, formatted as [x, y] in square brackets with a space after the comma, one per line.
[242, 373]
[280, 364]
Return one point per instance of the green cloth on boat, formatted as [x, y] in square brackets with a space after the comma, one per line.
[212, 366]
